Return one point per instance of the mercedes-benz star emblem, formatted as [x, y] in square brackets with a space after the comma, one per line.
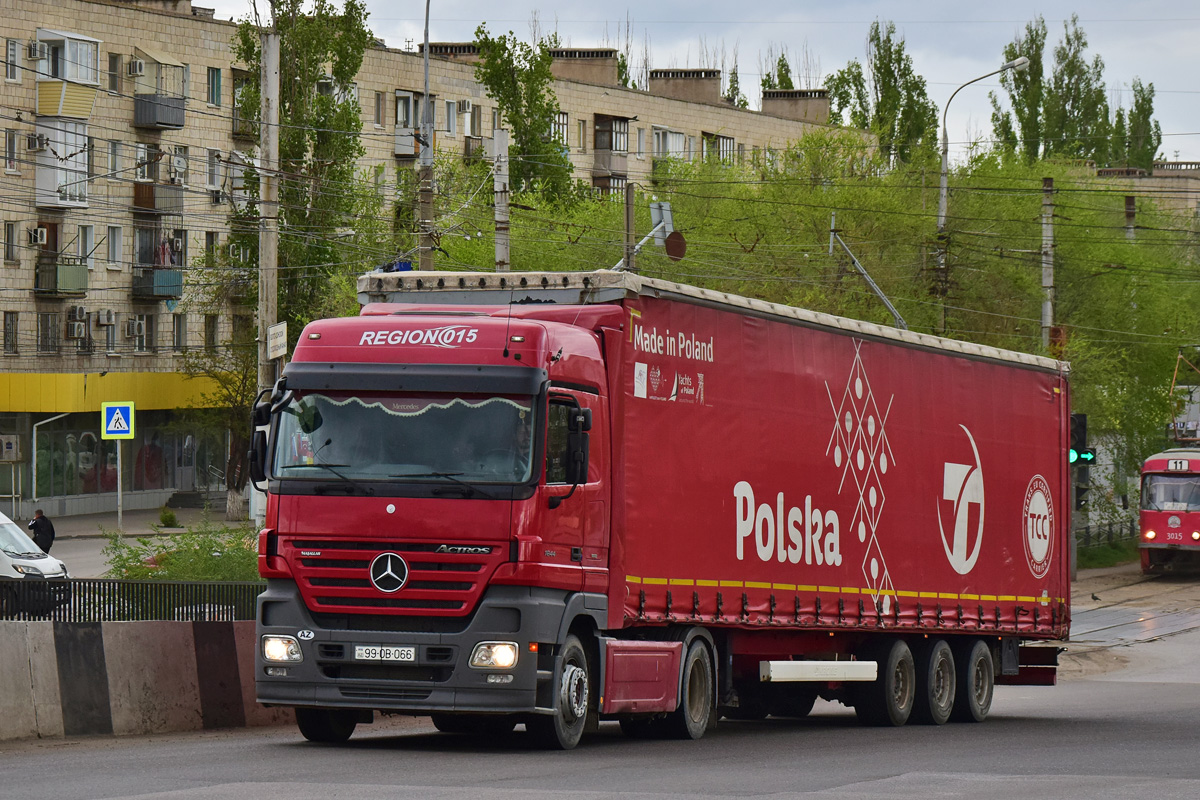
[389, 572]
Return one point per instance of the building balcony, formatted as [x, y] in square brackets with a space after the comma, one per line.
[610, 162]
[158, 198]
[157, 283]
[158, 111]
[478, 148]
[58, 275]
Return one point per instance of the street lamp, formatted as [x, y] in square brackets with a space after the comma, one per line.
[1020, 64]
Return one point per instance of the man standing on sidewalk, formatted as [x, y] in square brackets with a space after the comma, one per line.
[43, 530]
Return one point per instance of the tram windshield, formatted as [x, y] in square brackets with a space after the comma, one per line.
[1171, 493]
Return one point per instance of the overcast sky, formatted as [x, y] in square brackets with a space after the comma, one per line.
[950, 42]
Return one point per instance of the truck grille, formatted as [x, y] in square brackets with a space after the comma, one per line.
[334, 575]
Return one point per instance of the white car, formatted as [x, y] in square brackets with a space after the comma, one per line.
[21, 559]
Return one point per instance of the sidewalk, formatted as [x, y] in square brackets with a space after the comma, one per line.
[134, 523]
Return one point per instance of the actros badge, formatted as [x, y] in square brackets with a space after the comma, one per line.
[963, 485]
[389, 572]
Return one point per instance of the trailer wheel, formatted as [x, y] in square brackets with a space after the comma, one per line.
[887, 700]
[326, 725]
[976, 681]
[936, 683]
[474, 724]
[695, 711]
[563, 729]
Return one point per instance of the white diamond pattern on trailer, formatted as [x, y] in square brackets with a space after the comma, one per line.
[860, 448]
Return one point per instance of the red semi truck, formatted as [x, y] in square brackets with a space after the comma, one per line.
[560, 498]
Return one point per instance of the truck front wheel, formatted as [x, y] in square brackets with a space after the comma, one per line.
[695, 710]
[326, 725]
[572, 697]
[887, 700]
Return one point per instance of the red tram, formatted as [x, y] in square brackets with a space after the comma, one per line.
[1170, 511]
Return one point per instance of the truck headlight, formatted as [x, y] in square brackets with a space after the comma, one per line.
[1149, 535]
[494, 655]
[27, 569]
[281, 648]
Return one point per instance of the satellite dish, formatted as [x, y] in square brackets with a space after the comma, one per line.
[676, 246]
[179, 163]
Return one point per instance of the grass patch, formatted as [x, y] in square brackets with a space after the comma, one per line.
[205, 552]
[1107, 555]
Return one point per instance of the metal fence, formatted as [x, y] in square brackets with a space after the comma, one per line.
[87, 600]
[1106, 533]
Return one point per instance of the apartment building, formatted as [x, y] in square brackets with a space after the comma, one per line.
[123, 161]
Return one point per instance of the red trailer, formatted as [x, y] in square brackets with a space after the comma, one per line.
[559, 498]
[1170, 511]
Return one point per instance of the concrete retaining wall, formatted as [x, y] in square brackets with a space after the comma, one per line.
[77, 678]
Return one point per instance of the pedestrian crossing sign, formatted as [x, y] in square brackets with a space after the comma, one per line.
[116, 420]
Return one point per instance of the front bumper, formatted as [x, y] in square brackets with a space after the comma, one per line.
[439, 680]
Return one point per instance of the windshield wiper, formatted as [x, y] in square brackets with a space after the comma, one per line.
[450, 476]
[324, 487]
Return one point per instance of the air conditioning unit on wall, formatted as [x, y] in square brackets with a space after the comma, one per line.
[464, 106]
[38, 235]
[77, 313]
[106, 317]
[135, 327]
[137, 67]
[36, 51]
[76, 330]
[35, 142]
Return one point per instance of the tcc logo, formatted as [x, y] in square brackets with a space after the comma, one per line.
[963, 485]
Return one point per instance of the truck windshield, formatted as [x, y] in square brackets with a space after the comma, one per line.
[1171, 493]
[390, 437]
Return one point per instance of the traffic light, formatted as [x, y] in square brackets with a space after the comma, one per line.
[1080, 453]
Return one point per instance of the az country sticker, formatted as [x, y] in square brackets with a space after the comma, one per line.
[1038, 519]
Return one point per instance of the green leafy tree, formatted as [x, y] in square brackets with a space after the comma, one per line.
[321, 51]
[1136, 135]
[1020, 130]
[1075, 105]
[888, 97]
[517, 76]
[733, 92]
[780, 77]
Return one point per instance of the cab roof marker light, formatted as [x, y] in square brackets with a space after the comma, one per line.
[314, 336]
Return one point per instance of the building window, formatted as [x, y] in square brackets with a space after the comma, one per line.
[91, 157]
[12, 56]
[10, 333]
[690, 148]
[114, 245]
[114, 72]
[114, 158]
[10, 242]
[143, 339]
[110, 337]
[87, 245]
[10, 150]
[612, 134]
[404, 110]
[69, 171]
[562, 128]
[179, 247]
[451, 118]
[716, 146]
[214, 169]
[496, 119]
[214, 86]
[47, 334]
[75, 60]
[379, 109]
[210, 332]
[476, 120]
[581, 140]
[641, 139]
[212, 241]
[179, 333]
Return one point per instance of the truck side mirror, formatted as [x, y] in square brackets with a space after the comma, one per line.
[258, 458]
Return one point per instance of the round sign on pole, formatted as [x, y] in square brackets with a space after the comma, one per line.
[675, 245]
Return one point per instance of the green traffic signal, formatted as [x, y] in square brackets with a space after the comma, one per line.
[1086, 455]
[1072, 456]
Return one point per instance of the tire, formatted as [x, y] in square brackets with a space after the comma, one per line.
[326, 725]
[793, 701]
[976, 681]
[695, 710]
[887, 700]
[474, 724]
[572, 700]
[936, 683]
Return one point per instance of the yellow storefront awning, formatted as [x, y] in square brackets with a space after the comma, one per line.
[57, 393]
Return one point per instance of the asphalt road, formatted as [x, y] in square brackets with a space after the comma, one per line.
[1121, 724]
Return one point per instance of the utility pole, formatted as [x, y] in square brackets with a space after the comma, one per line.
[630, 235]
[425, 171]
[1130, 216]
[500, 185]
[1047, 261]
[268, 233]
